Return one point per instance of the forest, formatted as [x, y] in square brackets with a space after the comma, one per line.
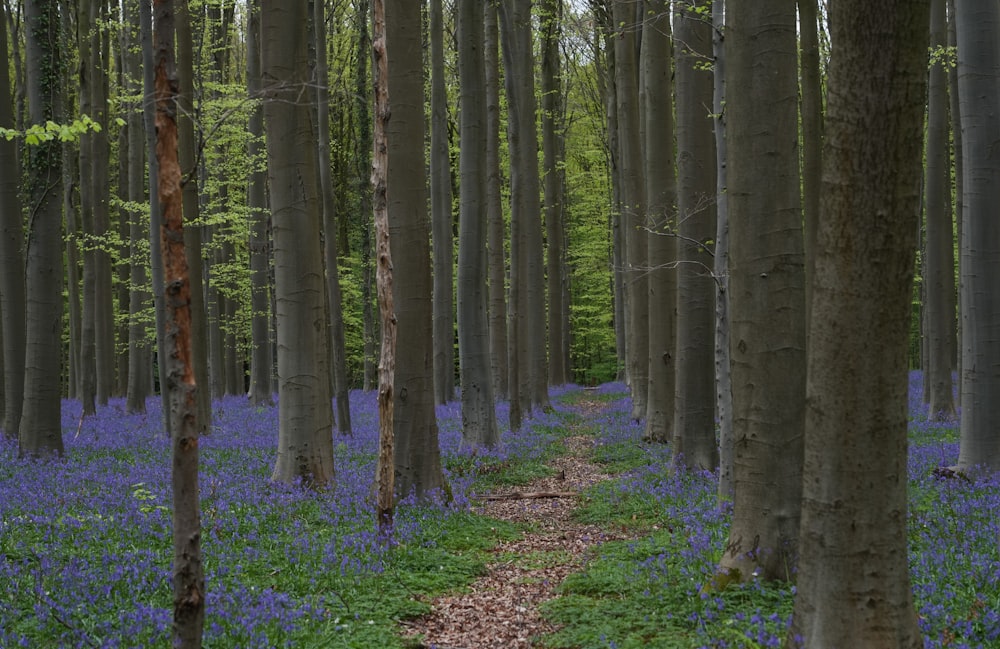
[499, 323]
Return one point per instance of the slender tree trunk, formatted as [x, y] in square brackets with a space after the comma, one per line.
[12, 298]
[305, 417]
[479, 425]
[494, 207]
[694, 423]
[979, 94]
[633, 207]
[767, 278]
[189, 577]
[552, 117]
[811, 90]
[656, 68]
[939, 275]
[363, 96]
[959, 212]
[41, 426]
[417, 454]
[338, 356]
[441, 218]
[90, 238]
[853, 586]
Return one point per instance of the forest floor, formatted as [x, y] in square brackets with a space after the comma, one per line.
[501, 608]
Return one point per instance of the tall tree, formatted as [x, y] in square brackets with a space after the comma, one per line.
[441, 218]
[767, 288]
[189, 576]
[853, 587]
[527, 282]
[418, 456]
[12, 299]
[40, 432]
[979, 95]
[479, 424]
[939, 264]
[305, 417]
[261, 362]
[91, 239]
[694, 423]
[811, 83]
[632, 205]
[494, 206]
[338, 356]
[655, 63]
[550, 16]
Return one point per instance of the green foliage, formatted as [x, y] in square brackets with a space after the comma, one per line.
[51, 131]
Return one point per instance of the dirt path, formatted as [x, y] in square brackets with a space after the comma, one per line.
[500, 609]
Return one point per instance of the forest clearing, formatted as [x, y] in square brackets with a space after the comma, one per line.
[85, 541]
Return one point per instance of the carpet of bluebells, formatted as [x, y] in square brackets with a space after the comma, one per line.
[85, 544]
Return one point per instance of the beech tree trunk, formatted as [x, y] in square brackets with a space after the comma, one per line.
[479, 425]
[853, 587]
[767, 282]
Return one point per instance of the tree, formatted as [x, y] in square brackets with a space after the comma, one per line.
[479, 424]
[767, 292]
[660, 223]
[40, 432]
[939, 273]
[694, 423]
[853, 586]
[441, 218]
[979, 94]
[12, 298]
[417, 454]
[494, 207]
[305, 418]
[337, 359]
[188, 577]
[812, 131]
[632, 206]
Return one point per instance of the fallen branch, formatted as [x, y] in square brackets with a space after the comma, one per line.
[525, 495]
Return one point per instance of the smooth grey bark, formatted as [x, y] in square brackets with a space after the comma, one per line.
[853, 587]
[140, 356]
[694, 422]
[442, 222]
[338, 360]
[979, 102]
[261, 363]
[494, 206]
[552, 118]
[811, 90]
[192, 233]
[939, 264]
[12, 298]
[632, 206]
[40, 432]
[527, 299]
[479, 424]
[958, 212]
[767, 289]
[656, 68]
[305, 416]
[417, 453]
[188, 571]
[87, 370]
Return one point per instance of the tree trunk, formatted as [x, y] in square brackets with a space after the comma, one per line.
[494, 207]
[305, 417]
[552, 118]
[767, 295]
[261, 383]
[418, 457]
[979, 94]
[694, 423]
[479, 424]
[939, 274]
[336, 320]
[853, 585]
[441, 218]
[958, 212]
[363, 165]
[12, 299]
[656, 68]
[188, 577]
[40, 432]
[90, 240]
[633, 207]
[812, 132]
